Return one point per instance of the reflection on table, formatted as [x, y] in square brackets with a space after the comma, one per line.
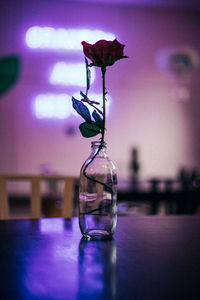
[149, 258]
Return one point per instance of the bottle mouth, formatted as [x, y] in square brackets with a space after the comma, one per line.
[97, 144]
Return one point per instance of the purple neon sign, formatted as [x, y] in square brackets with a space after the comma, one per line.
[51, 105]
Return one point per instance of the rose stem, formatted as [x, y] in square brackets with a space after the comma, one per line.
[103, 69]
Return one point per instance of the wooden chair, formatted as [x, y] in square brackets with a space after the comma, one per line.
[35, 181]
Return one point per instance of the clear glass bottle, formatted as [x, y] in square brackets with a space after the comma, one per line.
[98, 195]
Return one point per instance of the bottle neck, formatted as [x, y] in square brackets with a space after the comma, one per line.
[95, 148]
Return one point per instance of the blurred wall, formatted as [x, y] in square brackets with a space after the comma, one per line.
[143, 114]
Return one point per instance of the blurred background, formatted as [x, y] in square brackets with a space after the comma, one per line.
[153, 122]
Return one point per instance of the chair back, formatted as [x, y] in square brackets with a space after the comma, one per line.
[35, 181]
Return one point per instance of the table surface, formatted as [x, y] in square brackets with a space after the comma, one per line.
[150, 257]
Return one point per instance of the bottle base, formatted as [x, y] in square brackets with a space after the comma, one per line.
[97, 234]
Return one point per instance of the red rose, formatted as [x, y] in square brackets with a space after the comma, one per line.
[103, 53]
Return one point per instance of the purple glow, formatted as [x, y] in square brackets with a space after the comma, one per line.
[47, 272]
[57, 106]
[63, 39]
[70, 74]
[47, 226]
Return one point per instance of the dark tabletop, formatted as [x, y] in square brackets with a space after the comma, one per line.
[150, 257]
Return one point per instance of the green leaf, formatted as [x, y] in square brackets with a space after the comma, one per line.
[89, 129]
[9, 72]
[98, 119]
[81, 109]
